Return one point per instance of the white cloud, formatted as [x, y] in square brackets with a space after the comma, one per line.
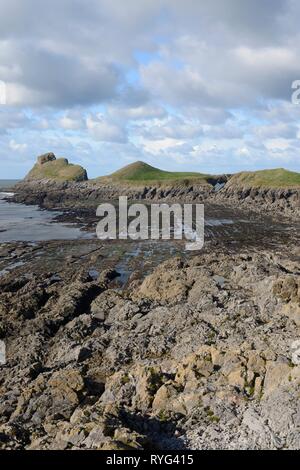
[276, 130]
[193, 83]
[277, 144]
[72, 120]
[266, 57]
[157, 146]
[242, 152]
[11, 118]
[103, 130]
[17, 147]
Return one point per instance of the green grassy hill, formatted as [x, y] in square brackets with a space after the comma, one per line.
[278, 179]
[140, 172]
[59, 170]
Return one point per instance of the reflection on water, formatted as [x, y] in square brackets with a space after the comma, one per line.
[141, 257]
[11, 267]
[133, 260]
[19, 222]
[28, 223]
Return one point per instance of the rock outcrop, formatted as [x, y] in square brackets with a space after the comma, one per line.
[90, 193]
[198, 355]
[49, 168]
[279, 202]
[47, 157]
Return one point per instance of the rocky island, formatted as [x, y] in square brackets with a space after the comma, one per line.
[177, 351]
[48, 167]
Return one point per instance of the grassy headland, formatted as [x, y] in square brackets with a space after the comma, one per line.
[58, 170]
[142, 174]
[278, 178]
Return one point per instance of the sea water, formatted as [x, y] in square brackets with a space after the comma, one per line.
[19, 222]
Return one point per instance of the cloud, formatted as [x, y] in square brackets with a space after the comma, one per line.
[73, 54]
[17, 147]
[85, 52]
[12, 118]
[171, 127]
[277, 130]
[72, 120]
[105, 131]
[138, 113]
[190, 84]
[55, 79]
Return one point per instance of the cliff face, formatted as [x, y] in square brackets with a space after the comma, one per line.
[52, 194]
[279, 202]
[275, 191]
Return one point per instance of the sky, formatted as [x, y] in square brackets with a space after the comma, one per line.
[183, 85]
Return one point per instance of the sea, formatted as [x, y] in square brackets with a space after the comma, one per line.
[19, 222]
[4, 184]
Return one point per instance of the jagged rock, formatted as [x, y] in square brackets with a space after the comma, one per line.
[197, 364]
[168, 283]
[277, 373]
[47, 157]
[288, 289]
[130, 439]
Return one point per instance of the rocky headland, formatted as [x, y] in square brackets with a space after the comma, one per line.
[48, 167]
[281, 199]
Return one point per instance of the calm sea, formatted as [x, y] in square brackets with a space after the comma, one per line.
[28, 223]
[4, 184]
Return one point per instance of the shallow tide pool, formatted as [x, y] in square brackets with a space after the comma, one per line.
[29, 223]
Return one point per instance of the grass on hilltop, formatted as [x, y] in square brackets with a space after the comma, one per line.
[278, 179]
[59, 170]
[140, 172]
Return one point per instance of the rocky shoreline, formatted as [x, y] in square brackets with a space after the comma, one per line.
[196, 355]
[193, 351]
[52, 194]
[277, 202]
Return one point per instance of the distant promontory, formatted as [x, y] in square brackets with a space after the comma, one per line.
[48, 167]
[56, 183]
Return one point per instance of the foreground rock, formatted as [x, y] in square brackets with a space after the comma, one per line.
[197, 355]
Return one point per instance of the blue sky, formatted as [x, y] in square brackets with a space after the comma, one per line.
[202, 86]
